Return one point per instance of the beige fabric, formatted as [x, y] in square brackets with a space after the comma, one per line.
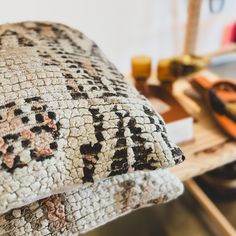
[67, 117]
[79, 211]
[74, 136]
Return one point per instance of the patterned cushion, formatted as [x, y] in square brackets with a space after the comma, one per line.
[79, 211]
[67, 117]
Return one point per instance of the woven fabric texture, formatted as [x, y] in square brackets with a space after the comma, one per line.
[79, 211]
[67, 117]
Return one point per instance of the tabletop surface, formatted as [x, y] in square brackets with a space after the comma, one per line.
[211, 148]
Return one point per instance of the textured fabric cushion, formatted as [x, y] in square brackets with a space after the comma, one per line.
[67, 117]
[79, 211]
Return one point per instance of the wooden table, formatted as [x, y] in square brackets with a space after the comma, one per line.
[210, 149]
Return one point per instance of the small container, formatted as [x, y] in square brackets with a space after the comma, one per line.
[141, 67]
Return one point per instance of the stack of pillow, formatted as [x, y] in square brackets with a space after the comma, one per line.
[78, 146]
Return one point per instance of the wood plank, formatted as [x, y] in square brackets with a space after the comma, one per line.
[194, 7]
[219, 219]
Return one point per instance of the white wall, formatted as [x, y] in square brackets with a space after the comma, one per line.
[124, 28]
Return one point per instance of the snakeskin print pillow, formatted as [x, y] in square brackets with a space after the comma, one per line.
[67, 117]
[82, 210]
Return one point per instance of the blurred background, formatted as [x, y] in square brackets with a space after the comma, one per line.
[124, 28]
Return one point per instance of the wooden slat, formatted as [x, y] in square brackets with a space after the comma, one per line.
[203, 161]
[219, 219]
[191, 33]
